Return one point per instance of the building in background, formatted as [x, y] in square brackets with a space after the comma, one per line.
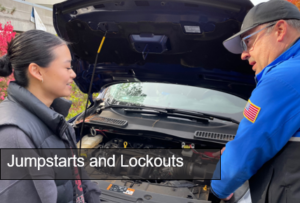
[47, 3]
[19, 13]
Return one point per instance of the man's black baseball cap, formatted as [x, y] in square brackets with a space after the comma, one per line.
[262, 13]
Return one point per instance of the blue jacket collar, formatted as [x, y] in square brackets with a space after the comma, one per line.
[259, 75]
[294, 50]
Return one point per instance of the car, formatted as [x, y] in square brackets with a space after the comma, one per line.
[164, 80]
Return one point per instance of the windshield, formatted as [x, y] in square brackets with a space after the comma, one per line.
[176, 97]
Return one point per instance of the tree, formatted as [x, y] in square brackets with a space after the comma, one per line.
[6, 35]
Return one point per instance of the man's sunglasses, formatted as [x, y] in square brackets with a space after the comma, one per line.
[243, 43]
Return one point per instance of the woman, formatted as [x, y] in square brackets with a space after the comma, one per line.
[41, 63]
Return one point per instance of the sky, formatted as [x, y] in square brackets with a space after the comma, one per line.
[255, 2]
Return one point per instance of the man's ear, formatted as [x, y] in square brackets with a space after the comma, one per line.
[35, 71]
[281, 30]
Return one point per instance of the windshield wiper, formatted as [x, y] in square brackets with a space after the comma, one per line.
[158, 111]
[171, 112]
[208, 115]
[165, 113]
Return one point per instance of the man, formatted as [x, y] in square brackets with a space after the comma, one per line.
[266, 149]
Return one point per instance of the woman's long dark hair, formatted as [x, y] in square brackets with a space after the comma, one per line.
[33, 46]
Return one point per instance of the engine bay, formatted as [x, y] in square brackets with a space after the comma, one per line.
[132, 135]
[161, 182]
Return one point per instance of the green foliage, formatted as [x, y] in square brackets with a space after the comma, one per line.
[13, 10]
[3, 86]
[3, 9]
[78, 101]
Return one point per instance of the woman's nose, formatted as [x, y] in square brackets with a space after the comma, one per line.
[73, 74]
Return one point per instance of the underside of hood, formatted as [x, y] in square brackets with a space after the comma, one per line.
[172, 41]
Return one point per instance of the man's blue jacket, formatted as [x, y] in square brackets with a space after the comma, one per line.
[268, 126]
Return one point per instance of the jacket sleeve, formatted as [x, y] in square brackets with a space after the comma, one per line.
[257, 142]
[46, 190]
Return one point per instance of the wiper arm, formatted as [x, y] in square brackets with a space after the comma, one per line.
[225, 118]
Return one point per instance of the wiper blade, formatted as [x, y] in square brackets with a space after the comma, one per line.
[212, 116]
[184, 112]
[165, 113]
[160, 111]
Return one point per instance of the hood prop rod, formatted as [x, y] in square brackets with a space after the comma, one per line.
[90, 89]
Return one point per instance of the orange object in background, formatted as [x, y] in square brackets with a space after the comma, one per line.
[295, 2]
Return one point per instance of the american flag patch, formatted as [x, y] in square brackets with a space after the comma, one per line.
[251, 111]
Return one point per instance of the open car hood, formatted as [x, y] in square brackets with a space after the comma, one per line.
[170, 41]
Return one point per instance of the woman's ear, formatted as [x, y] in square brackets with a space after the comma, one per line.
[35, 71]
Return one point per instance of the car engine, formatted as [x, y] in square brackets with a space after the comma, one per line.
[160, 180]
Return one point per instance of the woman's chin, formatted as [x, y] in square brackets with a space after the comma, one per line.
[66, 94]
